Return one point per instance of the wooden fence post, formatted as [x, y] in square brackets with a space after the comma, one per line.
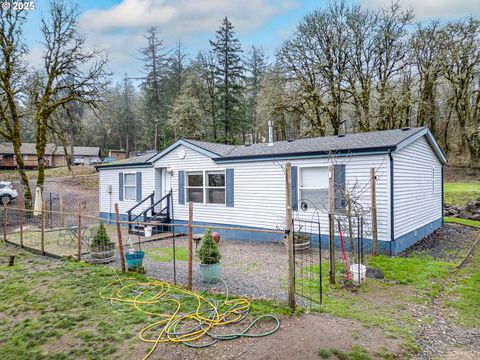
[120, 241]
[4, 222]
[79, 233]
[331, 223]
[373, 190]
[288, 220]
[20, 211]
[190, 246]
[42, 220]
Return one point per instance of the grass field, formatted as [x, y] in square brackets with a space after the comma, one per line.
[53, 310]
[466, 222]
[49, 173]
[459, 193]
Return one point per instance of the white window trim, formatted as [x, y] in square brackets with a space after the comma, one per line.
[206, 172]
[205, 186]
[187, 186]
[130, 186]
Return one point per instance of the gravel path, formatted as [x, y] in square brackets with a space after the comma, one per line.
[254, 270]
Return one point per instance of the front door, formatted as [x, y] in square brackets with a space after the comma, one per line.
[166, 185]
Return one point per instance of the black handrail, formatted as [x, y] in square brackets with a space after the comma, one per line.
[141, 202]
[152, 208]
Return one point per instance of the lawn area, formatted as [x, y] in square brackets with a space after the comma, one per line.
[53, 310]
[459, 193]
[49, 173]
[466, 222]
[466, 293]
[166, 254]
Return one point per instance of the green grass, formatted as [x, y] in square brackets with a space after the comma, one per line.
[357, 352]
[423, 272]
[466, 293]
[459, 193]
[466, 222]
[166, 254]
[53, 311]
[49, 173]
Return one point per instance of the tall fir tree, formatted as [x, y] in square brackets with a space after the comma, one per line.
[229, 74]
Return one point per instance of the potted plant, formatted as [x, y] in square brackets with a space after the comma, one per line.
[102, 249]
[301, 240]
[209, 255]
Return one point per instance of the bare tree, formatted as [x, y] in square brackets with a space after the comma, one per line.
[12, 81]
[65, 56]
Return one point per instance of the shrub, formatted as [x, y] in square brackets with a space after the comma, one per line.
[209, 252]
[101, 237]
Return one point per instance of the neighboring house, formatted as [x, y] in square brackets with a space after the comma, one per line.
[243, 186]
[54, 155]
[117, 154]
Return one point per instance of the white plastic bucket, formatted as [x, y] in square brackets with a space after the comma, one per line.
[356, 275]
[148, 231]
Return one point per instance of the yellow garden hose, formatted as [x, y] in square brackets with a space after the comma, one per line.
[208, 314]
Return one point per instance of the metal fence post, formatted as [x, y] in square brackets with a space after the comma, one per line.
[79, 234]
[190, 247]
[20, 210]
[288, 220]
[4, 222]
[42, 220]
[120, 241]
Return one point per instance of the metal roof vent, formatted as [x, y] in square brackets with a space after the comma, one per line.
[248, 144]
[406, 128]
[290, 140]
[270, 133]
[341, 135]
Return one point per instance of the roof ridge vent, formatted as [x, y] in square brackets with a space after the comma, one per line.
[406, 128]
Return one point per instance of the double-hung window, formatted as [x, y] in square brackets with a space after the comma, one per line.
[314, 186]
[206, 187]
[215, 187]
[195, 186]
[130, 186]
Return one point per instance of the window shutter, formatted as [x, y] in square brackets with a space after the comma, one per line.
[339, 187]
[294, 187]
[229, 196]
[181, 187]
[139, 186]
[120, 186]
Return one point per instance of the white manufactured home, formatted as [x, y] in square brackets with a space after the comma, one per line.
[243, 186]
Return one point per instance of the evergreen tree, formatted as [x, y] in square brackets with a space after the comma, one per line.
[229, 73]
[153, 88]
[256, 66]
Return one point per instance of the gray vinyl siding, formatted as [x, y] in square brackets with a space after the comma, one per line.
[416, 202]
[259, 199]
[111, 177]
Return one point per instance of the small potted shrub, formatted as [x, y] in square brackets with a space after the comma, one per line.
[209, 255]
[102, 249]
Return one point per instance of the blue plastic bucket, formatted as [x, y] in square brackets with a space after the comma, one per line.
[134, 260]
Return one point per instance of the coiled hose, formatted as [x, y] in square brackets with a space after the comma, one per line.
[209, 314]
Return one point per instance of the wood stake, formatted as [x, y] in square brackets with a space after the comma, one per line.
[373, 190]
[331, 223]
[120, 241]
[289, 236]
[4, 222]
[190, 242]
[79, 234]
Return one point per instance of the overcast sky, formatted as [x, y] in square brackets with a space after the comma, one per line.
[118, 25]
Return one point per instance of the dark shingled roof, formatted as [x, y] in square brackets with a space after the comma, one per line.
[360, 142]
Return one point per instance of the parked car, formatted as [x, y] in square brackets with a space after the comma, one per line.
[95, 160]
[8, 191]
[78, 160]
[108, 159]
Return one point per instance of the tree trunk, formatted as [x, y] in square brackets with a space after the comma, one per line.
[27, 192]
